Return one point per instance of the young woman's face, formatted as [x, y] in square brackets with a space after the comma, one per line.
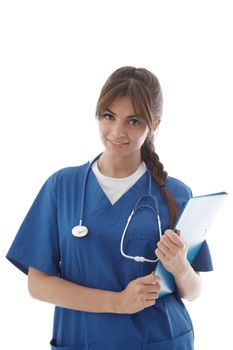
[121, 130]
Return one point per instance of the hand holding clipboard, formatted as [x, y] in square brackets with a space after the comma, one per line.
[194, 223]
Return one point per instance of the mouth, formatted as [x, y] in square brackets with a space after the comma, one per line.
[116, 143]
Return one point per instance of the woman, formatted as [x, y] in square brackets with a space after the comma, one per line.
[70, 243]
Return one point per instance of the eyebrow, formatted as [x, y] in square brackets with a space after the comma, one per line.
[129, 116]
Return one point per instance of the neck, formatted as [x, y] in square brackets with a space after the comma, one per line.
[118, 166]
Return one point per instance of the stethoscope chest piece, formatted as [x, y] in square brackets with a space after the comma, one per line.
[79, 231]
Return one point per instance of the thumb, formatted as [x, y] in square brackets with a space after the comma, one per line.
[150, 279]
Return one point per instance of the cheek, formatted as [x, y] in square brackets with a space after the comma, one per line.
[141, 138]
[103, 129]
[141, 141]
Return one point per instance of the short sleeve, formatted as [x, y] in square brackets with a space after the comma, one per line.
[203, 261]
[37, 244]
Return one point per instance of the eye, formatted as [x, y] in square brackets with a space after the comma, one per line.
[108, 116]
[135, 121]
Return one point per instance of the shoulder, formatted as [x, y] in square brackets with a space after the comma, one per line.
[70, 172]
[67, 175]
[179, 189]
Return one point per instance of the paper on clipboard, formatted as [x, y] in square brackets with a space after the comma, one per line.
[194, 223]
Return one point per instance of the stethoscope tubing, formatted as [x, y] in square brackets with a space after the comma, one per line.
[84, 187]
[81, 231]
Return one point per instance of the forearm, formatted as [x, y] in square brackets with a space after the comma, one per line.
[189, 283]
[60, 292]
[172, 251]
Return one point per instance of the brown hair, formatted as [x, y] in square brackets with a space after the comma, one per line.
[144, 90]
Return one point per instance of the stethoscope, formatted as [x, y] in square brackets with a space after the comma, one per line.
[81, 230]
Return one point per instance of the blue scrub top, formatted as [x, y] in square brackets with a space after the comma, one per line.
[44, 241]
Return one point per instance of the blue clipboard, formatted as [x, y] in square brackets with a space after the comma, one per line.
[194, 222]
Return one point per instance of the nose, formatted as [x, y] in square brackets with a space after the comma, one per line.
[118, 130]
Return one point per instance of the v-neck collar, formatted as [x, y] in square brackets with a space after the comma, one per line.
[138, 188]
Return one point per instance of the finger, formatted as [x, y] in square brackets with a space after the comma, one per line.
[156, 288]
[160, 254]
[165, 249]
[164, 241]
[149, 303]
[173, 250]
[157, 279]
[171, 236]
[152, 288]
[152, 296]
[168, 241]
[149, 279]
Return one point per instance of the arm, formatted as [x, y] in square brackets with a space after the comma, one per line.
[172, 251]
[140, 293]
[189, 283]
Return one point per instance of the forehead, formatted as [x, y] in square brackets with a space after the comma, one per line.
[122, 105]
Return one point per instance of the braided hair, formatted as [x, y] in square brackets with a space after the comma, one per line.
[143, 89]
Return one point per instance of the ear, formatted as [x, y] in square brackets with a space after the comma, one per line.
[155, 125]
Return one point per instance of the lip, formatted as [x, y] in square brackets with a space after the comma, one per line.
[118, 143]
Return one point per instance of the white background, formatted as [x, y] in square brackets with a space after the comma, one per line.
[55, 57]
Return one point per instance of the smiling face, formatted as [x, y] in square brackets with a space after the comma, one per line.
[121, 130]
